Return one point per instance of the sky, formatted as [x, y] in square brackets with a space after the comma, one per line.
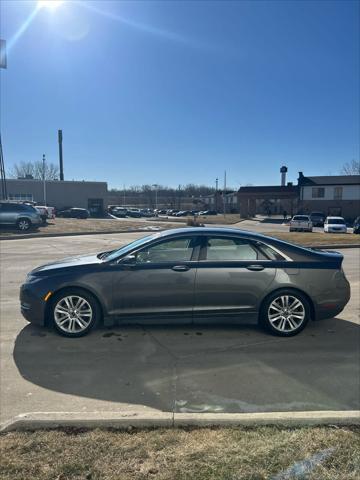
[176, 92]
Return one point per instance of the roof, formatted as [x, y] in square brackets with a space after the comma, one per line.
[330, 180]
[269, 189]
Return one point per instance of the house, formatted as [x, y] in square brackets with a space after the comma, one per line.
[337, 195]
[268, 200]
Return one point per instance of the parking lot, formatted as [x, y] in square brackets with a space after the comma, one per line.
[173, 369]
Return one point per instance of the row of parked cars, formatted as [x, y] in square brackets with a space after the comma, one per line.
[25, 215]
[122, 212]
[331, 224]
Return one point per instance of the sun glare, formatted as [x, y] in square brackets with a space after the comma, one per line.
[50, 4]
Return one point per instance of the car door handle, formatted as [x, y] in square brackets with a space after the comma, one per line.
[255, 268]
[180, 268]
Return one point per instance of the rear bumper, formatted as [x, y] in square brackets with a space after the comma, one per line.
[32, 307]
[334, 305]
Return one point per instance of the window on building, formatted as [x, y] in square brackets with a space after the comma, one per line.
[318, 192]
[338, 191]
[23, 197]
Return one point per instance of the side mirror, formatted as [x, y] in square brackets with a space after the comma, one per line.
[128, 260]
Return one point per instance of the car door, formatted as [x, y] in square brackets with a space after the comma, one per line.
[160, 283]
[232, 276]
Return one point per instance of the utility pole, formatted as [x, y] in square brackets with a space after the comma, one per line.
[2, 174]
[3, 64]
[216, 193]
[44, 178]
[179, 204]
[156, 195]
[124, 202]
[60, 139]
[224, 194]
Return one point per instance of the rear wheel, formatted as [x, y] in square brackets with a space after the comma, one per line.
[23, 224]
[74, 312]
[285, 313]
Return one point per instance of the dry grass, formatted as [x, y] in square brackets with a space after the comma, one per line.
[228, 219]
[316, 238]
[90, 225]
[174, 454]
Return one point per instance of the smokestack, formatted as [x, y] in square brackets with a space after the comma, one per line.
[60, 138]
[283, 171]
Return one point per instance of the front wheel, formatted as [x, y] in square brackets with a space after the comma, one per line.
[285, 313]
[74, 312]
[23, 224]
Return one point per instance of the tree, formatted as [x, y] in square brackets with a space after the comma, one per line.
[35, 170]
[351, 168]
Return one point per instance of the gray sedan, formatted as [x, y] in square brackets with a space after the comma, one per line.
[189, 275]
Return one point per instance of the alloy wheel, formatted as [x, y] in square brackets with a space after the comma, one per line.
[286, 313]
[73, 314]
[23, 225]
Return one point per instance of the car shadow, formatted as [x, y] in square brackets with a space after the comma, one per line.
[199, 369]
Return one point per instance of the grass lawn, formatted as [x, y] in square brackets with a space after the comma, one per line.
[174, 454]
[90, 225]
[316, 238]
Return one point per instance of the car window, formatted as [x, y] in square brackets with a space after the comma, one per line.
[270, 252]
[301, 218]
[229, 249]
[179, 250]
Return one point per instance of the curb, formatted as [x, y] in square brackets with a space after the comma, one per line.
[76, 234]
[128, 420]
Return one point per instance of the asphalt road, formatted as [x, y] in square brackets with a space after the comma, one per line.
[174, 369]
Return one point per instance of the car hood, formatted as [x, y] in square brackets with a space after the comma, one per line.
[69, 262]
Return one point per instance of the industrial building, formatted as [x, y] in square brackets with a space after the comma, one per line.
[60, 194]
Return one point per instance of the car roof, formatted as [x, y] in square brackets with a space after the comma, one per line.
[335, 218]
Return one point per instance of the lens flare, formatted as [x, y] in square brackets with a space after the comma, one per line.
[50, 4]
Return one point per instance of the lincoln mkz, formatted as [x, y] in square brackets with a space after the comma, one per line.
[189, 275]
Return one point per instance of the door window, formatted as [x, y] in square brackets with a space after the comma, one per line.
[175, 250]
[231, 249]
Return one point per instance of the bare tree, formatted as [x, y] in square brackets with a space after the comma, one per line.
[351, 168]
[35, 170]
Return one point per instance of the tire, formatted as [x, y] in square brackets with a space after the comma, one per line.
[23, 224]
[74, 312]
[294, 319]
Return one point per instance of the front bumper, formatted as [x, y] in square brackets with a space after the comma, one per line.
[32, 306]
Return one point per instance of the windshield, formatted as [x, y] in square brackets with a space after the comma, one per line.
[301, 217]
[336, 221]
[127, 248]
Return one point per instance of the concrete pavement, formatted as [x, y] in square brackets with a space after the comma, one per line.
[170, 369]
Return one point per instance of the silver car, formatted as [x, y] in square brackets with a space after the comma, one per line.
[189, 275]
[19, 215]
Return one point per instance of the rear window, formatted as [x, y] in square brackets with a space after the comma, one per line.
[301, 218]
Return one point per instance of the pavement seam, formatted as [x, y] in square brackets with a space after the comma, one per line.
[174, 369]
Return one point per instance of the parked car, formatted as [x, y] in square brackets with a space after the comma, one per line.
[51, 212]
[119, 212]
[356, 226]
[74, 213]
[301, 223]
[183, 213]
[335, 225]
[207, 212]
[134, 213]
[20, 215]
[317, 218]
[193, 275]
[44, 214]
[147, 212]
